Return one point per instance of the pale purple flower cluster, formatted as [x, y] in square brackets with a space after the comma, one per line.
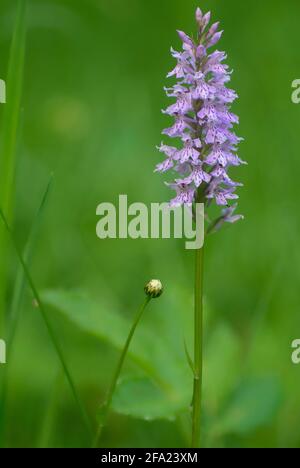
[202, 121]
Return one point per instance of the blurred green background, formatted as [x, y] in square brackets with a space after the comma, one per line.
[92, 94]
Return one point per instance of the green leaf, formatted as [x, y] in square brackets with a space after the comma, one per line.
[253, 405]
[142, 398]
[100, 322]
[155, 353]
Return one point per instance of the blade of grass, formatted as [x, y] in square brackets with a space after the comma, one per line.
[47, 425]
[188, 357]
[21, 279]
[16, 305]
[51, 332]
[11, 117]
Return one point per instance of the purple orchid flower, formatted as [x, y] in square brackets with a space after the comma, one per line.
[203, 123]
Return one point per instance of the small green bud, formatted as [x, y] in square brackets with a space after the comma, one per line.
[153, 288]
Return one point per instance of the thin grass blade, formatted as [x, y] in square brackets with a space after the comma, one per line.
[48, 423]
[16, 304]
[51, 332]
[21, 279]
[9, 138]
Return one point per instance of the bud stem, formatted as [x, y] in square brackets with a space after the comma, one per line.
[106, 406]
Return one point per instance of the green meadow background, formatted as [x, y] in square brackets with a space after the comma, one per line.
[90, 114]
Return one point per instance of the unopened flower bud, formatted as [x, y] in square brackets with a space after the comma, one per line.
[153, 288]
[199, 15]
[205, 20]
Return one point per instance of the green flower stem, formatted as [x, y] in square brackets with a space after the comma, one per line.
[105, 408]
[198, 345]
[48, 325]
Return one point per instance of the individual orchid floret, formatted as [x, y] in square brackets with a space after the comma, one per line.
[227, 216]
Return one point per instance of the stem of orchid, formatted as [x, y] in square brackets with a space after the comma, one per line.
[198, 345]
[106, 406]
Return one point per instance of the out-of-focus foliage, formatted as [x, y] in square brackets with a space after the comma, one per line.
[94, 73]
